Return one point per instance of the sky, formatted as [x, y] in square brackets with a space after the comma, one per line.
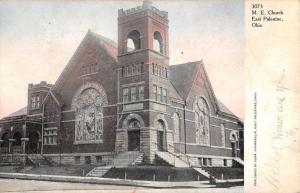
[37, 39]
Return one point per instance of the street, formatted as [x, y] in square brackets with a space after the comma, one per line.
[16, 185]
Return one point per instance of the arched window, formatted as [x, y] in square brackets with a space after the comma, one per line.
[176, 125]
[88, 103]
[201, 122]
[160, 125]
[5, 138]
[158, 42]
[134, 124]
[133, 41]
[17, 136]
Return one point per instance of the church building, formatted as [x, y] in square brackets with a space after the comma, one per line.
[121, 97]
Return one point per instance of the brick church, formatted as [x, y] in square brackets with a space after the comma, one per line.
[121, 97]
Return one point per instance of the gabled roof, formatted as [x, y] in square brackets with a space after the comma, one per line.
[182, 77]
[55, 96]
[108, 45]
[20, 112]
[223, 108]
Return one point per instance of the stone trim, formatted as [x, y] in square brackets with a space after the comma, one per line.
[209, 156]
[132, 84]
[196, 144]
[132, 116]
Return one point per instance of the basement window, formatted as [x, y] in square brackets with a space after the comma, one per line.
[77, 159]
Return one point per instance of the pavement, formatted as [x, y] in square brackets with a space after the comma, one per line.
[109, 181]
[34, 186]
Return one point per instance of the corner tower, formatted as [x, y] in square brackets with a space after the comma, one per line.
[143, 33]
[143, 80]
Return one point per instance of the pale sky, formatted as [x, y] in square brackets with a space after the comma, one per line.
[37, 39]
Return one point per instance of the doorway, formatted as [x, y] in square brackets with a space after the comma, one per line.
[161, 136]
[233, 149]
[33, 146]
[160, 140]
[134, 140]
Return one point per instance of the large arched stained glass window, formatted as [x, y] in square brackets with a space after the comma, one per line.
[201, 121]
[88, 104]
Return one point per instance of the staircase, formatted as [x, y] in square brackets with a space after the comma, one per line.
[203, 172]
[99, 171]
[122, 160]
[37, 159]
[171, 159]
[128, 158]
[239, 160]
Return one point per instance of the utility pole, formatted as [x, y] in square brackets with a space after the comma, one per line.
[184, 126]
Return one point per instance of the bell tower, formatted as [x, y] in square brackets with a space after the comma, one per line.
[143, 80]
[143, 33]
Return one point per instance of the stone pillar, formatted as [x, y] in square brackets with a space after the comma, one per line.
[24, 142]
[1, 141]
[10, 145]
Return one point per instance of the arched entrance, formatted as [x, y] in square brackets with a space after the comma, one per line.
[17, 144]
[5, 143]
[33, 146]
[134, 133]
[161, 136]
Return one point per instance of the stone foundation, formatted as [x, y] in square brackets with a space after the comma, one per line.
[80, 159]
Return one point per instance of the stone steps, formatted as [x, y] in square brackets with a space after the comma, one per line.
[37, 159]
[99, 171]
[127, 158]
[203, 172]
[172, 159]
[239, 160]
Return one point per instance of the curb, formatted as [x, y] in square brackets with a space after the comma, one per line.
[109, 181]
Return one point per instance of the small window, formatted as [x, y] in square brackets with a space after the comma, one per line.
[134, 71]
[141, 92]
[205, 161]
[99, 159]
[164, 95]
[159, 70]
[225, 162]
[133, 93]
[127, 71]
[155, 92]
[209, 161]
[77, 159]
[159, 91]
[125, 95]
[37, 101]
[33, 102]
[156, 69]
[87, 159]
[200, 161]
[241, 134]
[153, 68]
[142, 67]
[123, 72]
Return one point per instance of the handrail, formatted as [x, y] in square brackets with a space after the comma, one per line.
[173, 154]
[185, 155]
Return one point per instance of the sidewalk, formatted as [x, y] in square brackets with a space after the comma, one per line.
[109, 181]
